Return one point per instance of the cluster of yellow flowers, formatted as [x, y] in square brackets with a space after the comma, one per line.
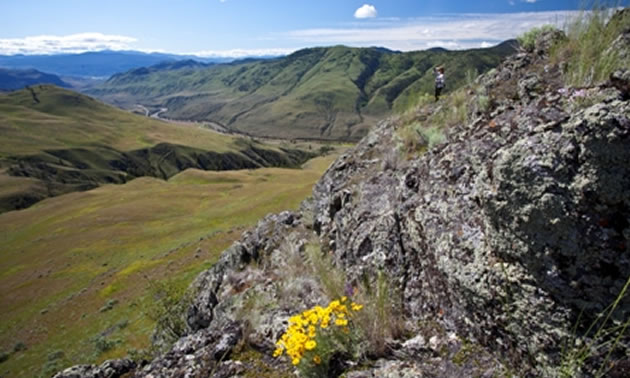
[300, 336]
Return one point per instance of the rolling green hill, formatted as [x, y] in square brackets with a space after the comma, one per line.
[328, 93]
[76, 271]
[54, 141]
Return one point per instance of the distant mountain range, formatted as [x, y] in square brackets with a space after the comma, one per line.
[100, 64]
[335, 93]
[18, 79]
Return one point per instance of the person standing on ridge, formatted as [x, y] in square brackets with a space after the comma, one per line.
[439, 81]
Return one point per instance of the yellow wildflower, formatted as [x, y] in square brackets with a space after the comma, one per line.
[277, 352]
[317, 360]
[310, 345]
[341, 322]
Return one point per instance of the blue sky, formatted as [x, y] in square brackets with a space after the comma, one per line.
[243, 27]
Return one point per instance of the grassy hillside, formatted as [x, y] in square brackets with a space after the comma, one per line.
[18, 79]
[76, 270]
[329, 93]
[54, 141]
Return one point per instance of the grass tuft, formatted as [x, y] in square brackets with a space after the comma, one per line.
[607, 336]
[588, 50]
[381, 320]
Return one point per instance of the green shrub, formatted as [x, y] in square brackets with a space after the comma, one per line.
[57, 355]
[483, 103]
[139, 355]
[19, 347]
[4, 356]
[55, 362]
[170, 303]
[471, 77]
[109, 305]
[433, 136]
[122, 324]
[410, 139]
[50, 368]
[527, 40]
[102, 344]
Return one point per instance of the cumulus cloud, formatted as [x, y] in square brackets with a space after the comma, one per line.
[74, 43]
[366, 11]
[456, 31]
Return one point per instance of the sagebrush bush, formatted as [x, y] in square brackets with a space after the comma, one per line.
[170, 303]
[527, 40]
[103, 344]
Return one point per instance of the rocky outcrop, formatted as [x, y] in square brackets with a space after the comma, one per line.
[108, 369]
[508, 232]
[502, 245]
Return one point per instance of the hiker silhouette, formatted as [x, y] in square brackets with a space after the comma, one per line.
[439, 81]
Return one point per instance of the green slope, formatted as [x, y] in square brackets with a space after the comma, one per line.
[54, 141]
[65, 259]
[328, 93]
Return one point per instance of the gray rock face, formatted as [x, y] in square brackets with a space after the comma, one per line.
[195, 355]
[511, 230]
[620, 79]
[108, 369]
[268, 235]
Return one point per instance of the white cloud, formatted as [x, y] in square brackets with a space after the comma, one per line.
[455, 31]
[366, 11]
[74, 43]
[530, 1]
[242, 53]
[445, 44]
[486, 44]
